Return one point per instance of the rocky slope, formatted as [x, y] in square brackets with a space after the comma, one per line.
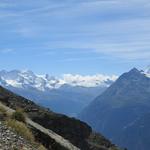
[119, 111]
[77, 132]
[9, 140]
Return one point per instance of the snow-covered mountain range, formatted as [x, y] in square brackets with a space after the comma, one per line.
[67, 94]
[28, 79]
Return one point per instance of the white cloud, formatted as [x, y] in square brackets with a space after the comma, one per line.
[87, 81]
[128, 39]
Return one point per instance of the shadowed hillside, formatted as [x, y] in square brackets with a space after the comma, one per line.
[77, 132]
[120, 111]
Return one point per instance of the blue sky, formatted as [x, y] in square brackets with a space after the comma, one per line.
[74, 36]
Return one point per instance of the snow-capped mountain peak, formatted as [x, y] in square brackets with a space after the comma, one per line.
[148, 69]
[146, 72]
[28, 79]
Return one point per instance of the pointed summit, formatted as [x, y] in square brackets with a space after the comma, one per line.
[132, 75]
[27, 72]
[134, 70]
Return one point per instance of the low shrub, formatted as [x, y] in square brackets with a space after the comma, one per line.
[2, 109]
[21, 129]
[41, 147]
[19, 115]
[3, 113]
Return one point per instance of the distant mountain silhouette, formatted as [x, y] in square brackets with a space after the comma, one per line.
[122, 112]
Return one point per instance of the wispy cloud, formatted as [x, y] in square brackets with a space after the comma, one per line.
[81, 59]
[114, 28]
[6, 51]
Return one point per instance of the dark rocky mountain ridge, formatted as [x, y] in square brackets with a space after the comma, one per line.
[119, 111]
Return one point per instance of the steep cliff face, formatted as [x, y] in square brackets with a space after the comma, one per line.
[76, 131]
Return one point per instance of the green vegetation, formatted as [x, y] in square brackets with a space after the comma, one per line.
[114, 148]
[17, 122]
[19, 116]
[21, 129]
[15, 148]
[2, 109]
[41, 147]
[3, 114]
